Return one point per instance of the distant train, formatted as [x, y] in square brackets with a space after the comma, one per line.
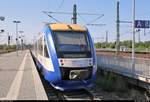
[65, 55]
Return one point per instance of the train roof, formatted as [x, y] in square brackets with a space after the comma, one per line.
[67, 27]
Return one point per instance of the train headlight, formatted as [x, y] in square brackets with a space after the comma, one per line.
[61, 61]
[90, 62]
[79, 74]
[73, 75]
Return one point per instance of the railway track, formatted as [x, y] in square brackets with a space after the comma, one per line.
[54, 94]
[144, 91]
[83, 94]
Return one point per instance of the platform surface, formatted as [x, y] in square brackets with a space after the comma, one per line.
[19, 79]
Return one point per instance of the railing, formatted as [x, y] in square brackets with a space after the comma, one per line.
[123, 65]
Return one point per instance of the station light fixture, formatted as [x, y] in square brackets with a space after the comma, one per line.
[2, 18]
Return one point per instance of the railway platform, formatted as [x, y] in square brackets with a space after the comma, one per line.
[19, 79]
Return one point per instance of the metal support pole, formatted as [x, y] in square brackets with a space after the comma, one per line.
[106, 37]
[22, 38]
[74, 14]
[106, 42]
[144, 32]
[17, 38]
[8, 39]
[133, 37]
[16, 22]
[22, 44]
[118, 28]
[139, 37]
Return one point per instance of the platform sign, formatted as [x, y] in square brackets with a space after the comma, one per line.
[142, 24]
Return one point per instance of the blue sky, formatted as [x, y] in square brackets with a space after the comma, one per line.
[29, 12]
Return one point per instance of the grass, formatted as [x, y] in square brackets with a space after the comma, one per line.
[139, 49]
[117, 85]
[109, 82]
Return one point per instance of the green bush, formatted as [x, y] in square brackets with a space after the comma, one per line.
[140, 46]
[111, 82]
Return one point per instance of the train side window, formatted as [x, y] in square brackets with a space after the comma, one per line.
[45, 49]
[40, 47]
[36, 46]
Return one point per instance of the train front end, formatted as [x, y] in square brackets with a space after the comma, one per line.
[72, 51]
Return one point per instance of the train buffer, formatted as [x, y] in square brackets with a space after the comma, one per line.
[19, 79]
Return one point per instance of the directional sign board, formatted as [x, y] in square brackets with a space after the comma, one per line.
[142, 24]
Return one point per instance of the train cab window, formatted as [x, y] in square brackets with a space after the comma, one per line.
[72, 44]
[72, 41]
[45, 50]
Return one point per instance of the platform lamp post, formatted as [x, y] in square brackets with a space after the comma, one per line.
[2, 19]
[17, 22]
[21, 37]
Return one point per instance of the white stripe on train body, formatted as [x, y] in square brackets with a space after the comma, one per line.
[46, 62]
[75, 62]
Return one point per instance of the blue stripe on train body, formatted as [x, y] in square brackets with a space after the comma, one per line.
[93, 55]
[52, 76]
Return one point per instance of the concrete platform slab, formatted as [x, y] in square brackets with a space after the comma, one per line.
[19, 79]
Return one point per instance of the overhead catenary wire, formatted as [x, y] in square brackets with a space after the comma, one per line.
[95, 24]
[52, 17]
[96, 19]
[126, 22]
[82, 19]
[90, 24]
[61, 4]
[127, 32]
[96, 14]
[79, 14]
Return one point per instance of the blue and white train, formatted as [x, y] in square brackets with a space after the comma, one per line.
[65, 55]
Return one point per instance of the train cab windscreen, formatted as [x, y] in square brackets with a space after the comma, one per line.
[72, 44]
